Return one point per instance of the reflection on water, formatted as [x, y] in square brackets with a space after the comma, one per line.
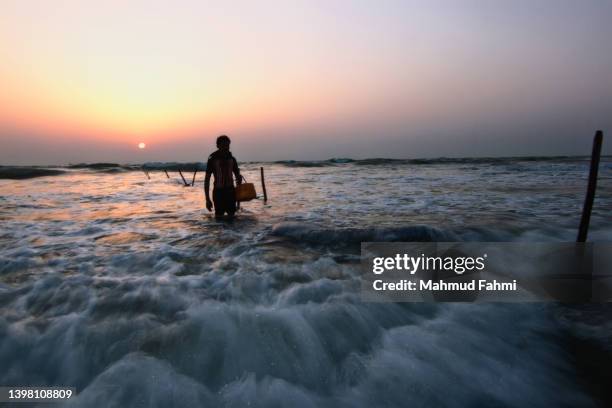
[113, 281]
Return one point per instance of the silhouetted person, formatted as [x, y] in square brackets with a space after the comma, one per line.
[223, 165]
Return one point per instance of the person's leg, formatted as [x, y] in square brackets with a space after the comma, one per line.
[230, 203]
[218, 203]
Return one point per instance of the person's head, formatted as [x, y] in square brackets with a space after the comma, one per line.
[223, 142]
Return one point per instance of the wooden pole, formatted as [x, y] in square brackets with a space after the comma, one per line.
[590, 195]
[184, 181]
[193, 179]
[166, 171]
[263, 184]
[146, 174]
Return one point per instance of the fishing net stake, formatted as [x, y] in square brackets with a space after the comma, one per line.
[590, 195]
[263, 184]
[184, 181]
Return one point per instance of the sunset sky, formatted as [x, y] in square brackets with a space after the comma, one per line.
[84, 81]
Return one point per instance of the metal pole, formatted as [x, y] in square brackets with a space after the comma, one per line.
[166, 171]
[590, 195]
[263, 184]
[193, 179]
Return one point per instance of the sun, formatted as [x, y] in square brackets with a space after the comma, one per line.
[141, 145]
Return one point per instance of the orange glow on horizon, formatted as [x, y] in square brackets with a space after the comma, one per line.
[76, 74]
[100, 73]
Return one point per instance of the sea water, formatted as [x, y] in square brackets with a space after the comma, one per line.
[127, 289]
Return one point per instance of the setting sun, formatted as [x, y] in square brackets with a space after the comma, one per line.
[141, 145]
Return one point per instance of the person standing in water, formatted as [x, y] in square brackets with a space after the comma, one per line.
[223, 165]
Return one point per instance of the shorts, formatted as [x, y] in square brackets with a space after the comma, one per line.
[224, 200]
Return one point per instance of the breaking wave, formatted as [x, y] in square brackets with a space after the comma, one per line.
[21, 173]
[175, 166]
[429, 161]
[157, 341]
[95, 166]
[294, 163]
[126, 288]
[349, 236]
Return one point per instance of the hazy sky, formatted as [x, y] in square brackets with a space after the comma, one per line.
[84, 81]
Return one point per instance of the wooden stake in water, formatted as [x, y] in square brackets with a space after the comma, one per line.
[184, 181]
[590, 196]
[263, 184]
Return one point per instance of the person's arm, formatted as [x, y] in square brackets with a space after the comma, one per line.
[209, 204]
[236, 171]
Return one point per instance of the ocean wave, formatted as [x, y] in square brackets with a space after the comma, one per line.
[109, 168]
[335, 351]
[201, 166]
[463, 160]
[381, 161]
[175, 166]
[337, 237]
[295, 163]
[115, 170]
[93, 166]
[23, 172]
[134, 295]
[346, 236]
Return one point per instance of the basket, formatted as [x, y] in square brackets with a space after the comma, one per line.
[245, 191]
